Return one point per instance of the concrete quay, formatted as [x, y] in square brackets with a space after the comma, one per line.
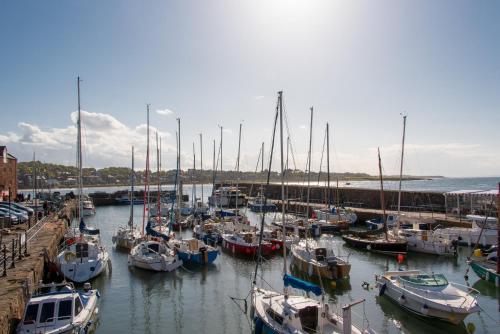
[17, 281]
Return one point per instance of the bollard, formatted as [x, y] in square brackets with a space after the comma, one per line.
[4, 260]
[13, 264]
[19, 249]
[26, 245]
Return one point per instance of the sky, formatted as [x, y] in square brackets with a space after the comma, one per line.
[359, 64]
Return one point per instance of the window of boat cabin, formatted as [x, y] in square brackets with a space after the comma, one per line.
[78, 306]
[82, 250]
[64, 311]
[47, 313]
[31, 314]
[278, 318]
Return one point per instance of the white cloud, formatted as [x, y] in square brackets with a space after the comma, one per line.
[259, 97]
[106, 141]
[164, 112]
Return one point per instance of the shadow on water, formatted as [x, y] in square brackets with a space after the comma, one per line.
[408, 322]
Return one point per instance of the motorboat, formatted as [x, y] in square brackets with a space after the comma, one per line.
[59, 308]
[428, 295]
[336, 214]
[483, 231]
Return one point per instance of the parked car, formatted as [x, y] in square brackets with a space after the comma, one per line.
[17, 208]
[22, 217]
[5, 216]
[30, 211]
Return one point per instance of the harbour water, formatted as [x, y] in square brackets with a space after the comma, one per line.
[197, 300]
[437, 184]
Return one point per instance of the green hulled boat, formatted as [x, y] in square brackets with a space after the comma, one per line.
[486, 270]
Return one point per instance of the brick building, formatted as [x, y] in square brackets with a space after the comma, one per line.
[8, 174]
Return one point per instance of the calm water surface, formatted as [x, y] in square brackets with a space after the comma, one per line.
[136, 301]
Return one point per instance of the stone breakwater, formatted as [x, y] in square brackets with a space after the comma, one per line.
[18, 283]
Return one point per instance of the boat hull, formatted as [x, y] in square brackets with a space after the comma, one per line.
[376, 246]
[485, 273]
[246, 250]
[198, 258]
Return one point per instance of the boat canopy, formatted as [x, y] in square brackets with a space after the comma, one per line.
[425, 280]
[153, 233]
[297, 283]
[88, 230]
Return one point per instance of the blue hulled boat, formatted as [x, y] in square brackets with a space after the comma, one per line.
[194, 251]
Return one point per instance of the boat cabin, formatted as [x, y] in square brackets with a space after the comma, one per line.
[52, 309]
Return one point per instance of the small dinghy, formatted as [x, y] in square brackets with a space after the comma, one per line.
[428, 295]
[59, 308]
[153, 255]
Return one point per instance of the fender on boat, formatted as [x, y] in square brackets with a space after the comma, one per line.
[382, 289]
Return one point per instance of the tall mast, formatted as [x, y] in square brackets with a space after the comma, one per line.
[283, 232]
[328, 163]
[262, 162]
[201, 166]
[158, 199]
[401, 167]
[213, 175]
[221, 176]
[132, 177]
[382, 200]
[34, 178]
[145, 212]
[79, 158]
[498, 229]
[179, 191]
[193, 200]
[237, 169]
[309, 171]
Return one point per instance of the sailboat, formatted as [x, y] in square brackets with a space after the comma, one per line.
[128, 237]
[280, 312]
[317, 260]
[152, 253]
[82, 257]
[419, 240]
[488, 268]
[389, 244]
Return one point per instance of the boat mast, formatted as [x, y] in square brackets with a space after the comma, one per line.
[382, 201]
[238, 169]
[401, 167]
[262, 222]
[283, 224]
[132, 177]
[79, 158]
[220, 193]
[201, 166]
[193, 192]
[158, 200]
[328, 163]
[498, 229]
[309, 175]
[146, 176]
[179, 168]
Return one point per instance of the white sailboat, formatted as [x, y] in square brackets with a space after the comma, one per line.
[128, 237]
[428, 295]
[421, 241]
[82, 257]
[279, 312]
[152, 254]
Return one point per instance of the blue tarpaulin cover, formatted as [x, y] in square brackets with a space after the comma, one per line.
[297, 283]
[153, 233]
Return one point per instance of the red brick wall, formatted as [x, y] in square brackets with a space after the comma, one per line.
[8, 176]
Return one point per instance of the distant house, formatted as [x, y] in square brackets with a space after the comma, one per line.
[8, 174]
